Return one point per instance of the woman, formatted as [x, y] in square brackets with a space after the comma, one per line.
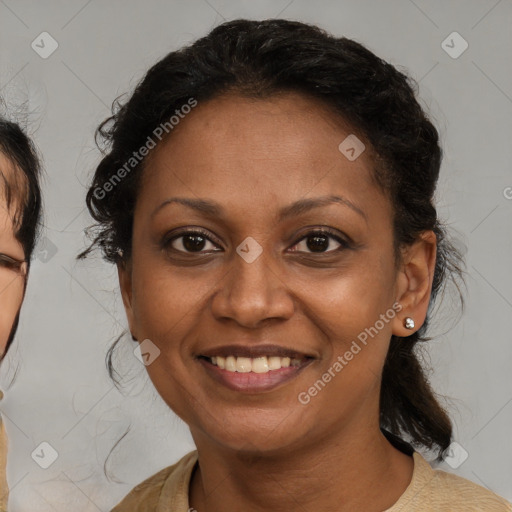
[267, 197]
[20, 207]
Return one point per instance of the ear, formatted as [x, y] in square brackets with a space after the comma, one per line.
[414, 282]
[124, 272]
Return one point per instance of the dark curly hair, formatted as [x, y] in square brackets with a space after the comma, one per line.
[21, 190]
[259, 59]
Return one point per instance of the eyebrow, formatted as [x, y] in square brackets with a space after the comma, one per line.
[213, 209]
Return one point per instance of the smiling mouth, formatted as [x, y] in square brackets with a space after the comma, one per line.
[253, 368]
[254, 374]
[262, 364]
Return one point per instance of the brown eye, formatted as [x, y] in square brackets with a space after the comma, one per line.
[320, 241]
[190, 242]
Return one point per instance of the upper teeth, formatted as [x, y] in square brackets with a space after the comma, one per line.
[256, 365]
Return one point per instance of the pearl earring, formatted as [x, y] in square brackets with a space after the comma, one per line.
[409, 323]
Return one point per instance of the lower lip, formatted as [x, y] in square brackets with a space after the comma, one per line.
[251, 382]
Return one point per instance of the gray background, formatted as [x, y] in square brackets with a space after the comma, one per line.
[62, 394]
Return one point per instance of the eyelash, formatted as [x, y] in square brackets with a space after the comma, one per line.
[10, 263]
[344, 244]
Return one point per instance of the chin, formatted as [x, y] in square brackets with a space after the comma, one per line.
[261, 435]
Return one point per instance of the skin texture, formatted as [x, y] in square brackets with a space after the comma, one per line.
[267, 451]
[11, 281]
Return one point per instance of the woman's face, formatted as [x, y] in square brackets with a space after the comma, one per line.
[11, 271]
[257, 289]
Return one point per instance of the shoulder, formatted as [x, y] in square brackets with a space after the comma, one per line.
[465, 492]
[168, 483]
[434, 489]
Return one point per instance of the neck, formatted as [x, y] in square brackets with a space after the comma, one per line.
[356, 469]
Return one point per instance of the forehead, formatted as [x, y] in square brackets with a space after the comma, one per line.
[258, 151]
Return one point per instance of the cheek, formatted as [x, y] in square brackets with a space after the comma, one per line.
[354, 312]
[11, 297]
[353, 299]
[167, 308]
[166, 301]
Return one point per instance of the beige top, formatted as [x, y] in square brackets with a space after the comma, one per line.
[429, 491]
[3, 462]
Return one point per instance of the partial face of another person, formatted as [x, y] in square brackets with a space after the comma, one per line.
[241, 274]
[12, 265]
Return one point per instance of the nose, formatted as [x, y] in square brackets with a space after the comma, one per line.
[252, 293]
